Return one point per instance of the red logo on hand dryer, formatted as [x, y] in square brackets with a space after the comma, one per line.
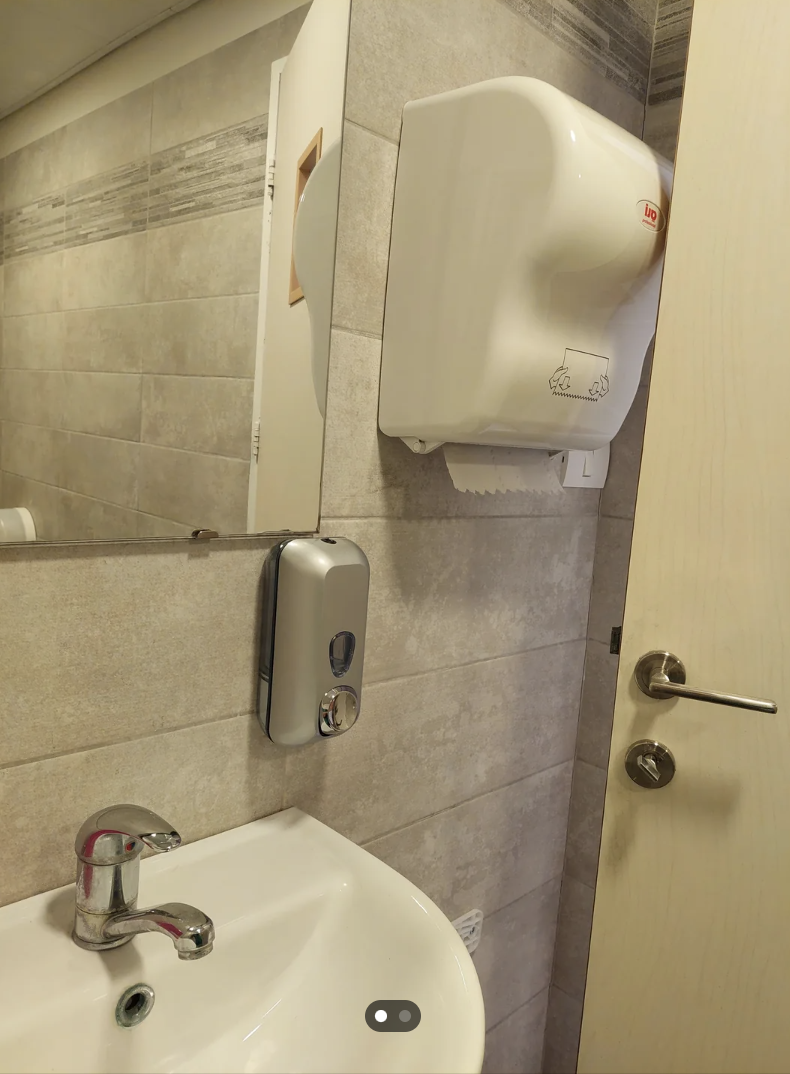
[650, 215]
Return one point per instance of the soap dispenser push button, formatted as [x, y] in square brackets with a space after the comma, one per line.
[338, 711]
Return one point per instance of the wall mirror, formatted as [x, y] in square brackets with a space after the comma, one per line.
[169, 178]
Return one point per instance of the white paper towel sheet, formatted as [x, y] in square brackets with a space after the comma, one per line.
[474, 468]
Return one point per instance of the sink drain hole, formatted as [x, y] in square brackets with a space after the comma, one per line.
[135, 1004]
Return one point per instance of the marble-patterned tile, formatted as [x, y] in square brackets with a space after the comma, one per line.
[488, 852]
[367, 188]
[368, 474]
[207, 414]
[515, 1046]
[117, 134]
[238, 771]
[129, 641]
[33, 341]
[563, 1030]
[618, 498]
[100, 467]
[217, 173]
[610, 575]
[44, 503]
[212, 337]
[200, 491]
[662, 122]
[394, 58]
[109, 339]
[35, 170]
[104, 404]
[33, 452]
[34, 284]
[514, 959]
[226, 86]
[584, 823]
[574, 926]
[446, 592]
[109, 273]
[84, 519]
[492, 723]
[32, 397]
[177, 266]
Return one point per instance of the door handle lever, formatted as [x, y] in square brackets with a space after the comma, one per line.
[661, 675]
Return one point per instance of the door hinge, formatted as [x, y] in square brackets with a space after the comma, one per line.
[270, 179]
[615, 639]
[256, 440]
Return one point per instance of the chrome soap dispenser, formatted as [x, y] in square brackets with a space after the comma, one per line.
[315, 598]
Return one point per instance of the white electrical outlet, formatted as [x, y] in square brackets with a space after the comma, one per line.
[470, 929]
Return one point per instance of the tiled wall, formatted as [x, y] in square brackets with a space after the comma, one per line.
[613, 549]
[131, 249]
[459, 773]
[128, 672]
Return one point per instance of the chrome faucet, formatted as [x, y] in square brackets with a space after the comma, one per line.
[108, 846]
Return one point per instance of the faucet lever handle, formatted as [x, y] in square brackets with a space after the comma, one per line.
[117, 834]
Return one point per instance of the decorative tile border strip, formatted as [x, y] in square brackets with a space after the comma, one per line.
[224, 171]
[670, 50]
[217, 173]
[609, 35]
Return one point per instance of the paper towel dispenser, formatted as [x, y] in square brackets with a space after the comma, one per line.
[525, 266]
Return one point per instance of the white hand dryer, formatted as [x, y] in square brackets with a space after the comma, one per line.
[525, 266]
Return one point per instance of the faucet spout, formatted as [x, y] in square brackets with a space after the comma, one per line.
[190, 930]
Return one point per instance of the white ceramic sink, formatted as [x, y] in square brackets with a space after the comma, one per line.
[310, 931]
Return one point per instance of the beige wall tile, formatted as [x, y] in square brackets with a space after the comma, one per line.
[30, 451]
[44, 503]
[208, 414]
[105, 469]
[584, 822]
[110, 340]
[661, 127]
[151, 526]
[118, 133]
[515, 1046]
[408, 49]
[369, 474]
[222, 88]
[203, 780]
[40, 168]
[108, 273]
[488, 852]
[203, 337]
[218, 255]
[487, 722]
[33, 397]
[573, 937]
[514, 958]
[85, 519]
[597, 707]
[200, 491]
[363, 235]
[33, 341]
[610, 574]
[618, 498]
[563, 1029]
[106, 404]
[34, 284]
[448, 591]
[128, 641]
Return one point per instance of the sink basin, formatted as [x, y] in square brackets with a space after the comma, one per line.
[311, 930]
